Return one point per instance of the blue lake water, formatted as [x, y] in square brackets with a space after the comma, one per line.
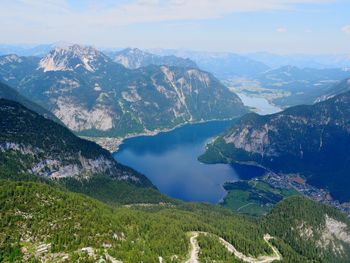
[262, 105]
[169, 160]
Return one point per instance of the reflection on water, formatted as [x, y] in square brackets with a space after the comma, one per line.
[169, 160]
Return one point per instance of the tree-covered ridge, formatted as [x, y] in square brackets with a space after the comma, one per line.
[9, 93]
[310, 140]
[315, 231]
[33, 144]
[35, 214]
[95, 96]
[43, 222]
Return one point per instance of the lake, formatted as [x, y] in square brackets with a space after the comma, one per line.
[262, 105]
[169, 160]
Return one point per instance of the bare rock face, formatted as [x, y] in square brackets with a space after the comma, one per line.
[252, 140]
[78, 117]
[333, 236]
[72, 57]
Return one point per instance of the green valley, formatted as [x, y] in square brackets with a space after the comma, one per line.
[254, 197]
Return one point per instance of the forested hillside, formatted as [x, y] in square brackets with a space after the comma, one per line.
[315, 231]
[6, 92]
[32, 145]
[308, 140]
[41, 222]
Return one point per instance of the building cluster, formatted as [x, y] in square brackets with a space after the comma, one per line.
[295, 181]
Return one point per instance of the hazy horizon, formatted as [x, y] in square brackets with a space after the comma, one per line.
[275, 26]
[153, 49]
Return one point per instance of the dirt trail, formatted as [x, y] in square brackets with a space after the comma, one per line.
[194, 248]
[262, 259]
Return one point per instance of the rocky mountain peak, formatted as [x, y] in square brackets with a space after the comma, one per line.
[136, 51]
[72, 57]
[132, 57]
[11, 58]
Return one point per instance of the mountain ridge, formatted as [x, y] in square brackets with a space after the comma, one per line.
[316, 146]
[33, 148]
[102, 98]
[134, 58]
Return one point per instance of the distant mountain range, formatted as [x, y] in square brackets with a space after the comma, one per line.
[134, 58]
[290, 86]
[302, 60]
[95, 96]
[30, 50]
[243, 61]
[303, 85]
[308, 140]
[222, 65]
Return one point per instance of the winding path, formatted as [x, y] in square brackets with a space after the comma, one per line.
[194, 248]
[261, 259]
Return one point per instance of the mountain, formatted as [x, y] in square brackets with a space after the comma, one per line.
[288, 74]
[308, 140]
[342, 87]
[318, 233]
[42, 223]
[35, 147]
[13, 67]
[222, 65]
[30, 50]
[73, 58]
[94, 96]
[42, 164]
[290, 86]
[134, 58]
[9, 93]
[302, 60]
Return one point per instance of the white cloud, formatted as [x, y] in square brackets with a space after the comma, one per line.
[59, 12]
[93, 21]
[281, 30]
[346, 29]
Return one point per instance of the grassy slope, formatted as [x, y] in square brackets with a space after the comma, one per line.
[254, 197]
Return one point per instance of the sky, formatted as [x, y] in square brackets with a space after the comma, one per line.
[278, 26]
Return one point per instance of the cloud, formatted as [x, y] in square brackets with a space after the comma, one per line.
[73, 20]
[281, 30]
[346, 29]
[118, 13]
